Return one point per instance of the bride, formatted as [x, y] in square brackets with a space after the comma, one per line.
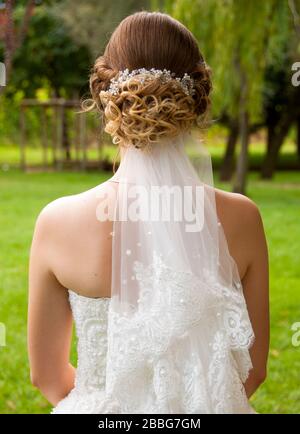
[165, 277]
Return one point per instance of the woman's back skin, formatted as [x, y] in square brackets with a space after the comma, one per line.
[71, 249]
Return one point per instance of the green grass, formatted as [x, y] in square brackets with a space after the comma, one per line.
[10, 155]
[21, 198]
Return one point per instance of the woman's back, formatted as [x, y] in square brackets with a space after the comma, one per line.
[79, 245]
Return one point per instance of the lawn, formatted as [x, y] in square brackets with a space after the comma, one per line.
[23, 195]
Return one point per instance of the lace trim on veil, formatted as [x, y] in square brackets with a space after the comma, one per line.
[149, 344]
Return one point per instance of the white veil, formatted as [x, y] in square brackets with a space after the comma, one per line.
[178, 327]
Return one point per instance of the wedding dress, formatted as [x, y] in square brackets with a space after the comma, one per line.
[175, 335]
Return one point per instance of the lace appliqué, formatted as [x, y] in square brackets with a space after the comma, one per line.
[227, 390]
[90, 317]
[88, 395]
[173, 305]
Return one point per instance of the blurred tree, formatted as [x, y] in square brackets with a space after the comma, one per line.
[281, 96]
[14, 35]
[91, 22]
[50, 57]
[282, 110]
[240, 40]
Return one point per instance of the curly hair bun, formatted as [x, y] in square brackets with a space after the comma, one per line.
[143, 112]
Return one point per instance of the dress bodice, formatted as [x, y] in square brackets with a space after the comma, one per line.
[90, 317]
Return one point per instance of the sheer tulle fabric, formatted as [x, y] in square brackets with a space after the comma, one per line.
[178, 327]
[178, 332]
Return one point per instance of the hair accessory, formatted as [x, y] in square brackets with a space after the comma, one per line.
[186, 82]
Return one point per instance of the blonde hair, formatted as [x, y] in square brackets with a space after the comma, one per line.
[142, 113]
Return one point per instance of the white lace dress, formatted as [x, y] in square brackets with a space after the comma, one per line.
[90, 316]
[88, 396]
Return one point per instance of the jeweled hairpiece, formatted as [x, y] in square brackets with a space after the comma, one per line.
[186, 82]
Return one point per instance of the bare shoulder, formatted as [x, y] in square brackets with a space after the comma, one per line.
[243, 228]
[238, 209]
[57, 213]
[67, 212]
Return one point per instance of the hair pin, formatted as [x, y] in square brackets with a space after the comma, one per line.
[186, 82]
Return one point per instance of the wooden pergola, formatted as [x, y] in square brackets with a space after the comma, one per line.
[53, 143]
